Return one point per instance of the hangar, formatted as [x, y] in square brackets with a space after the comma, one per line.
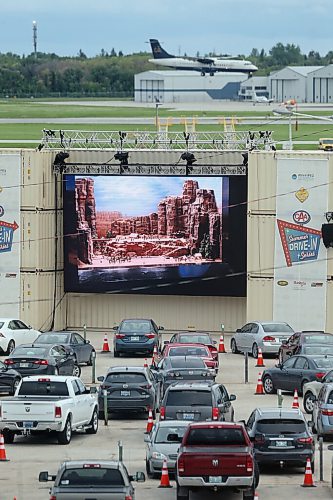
[320, 85]
[37, 201]
[291, 83]
[185, 86]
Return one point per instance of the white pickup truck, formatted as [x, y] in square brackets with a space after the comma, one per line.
[49, 404]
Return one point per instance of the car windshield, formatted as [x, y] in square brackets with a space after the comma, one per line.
[164, 432]
[276, 328]
[216, 437]
[43, 388]
[280, 426]
[189, 398]
[318, 339]
[52, 338]
[190, 362]
[29, 351]
[317, 349]
[327, 141]
[138, 327]
[126, 378]
[91, 476]
[194, 339]
[324, 362]
[187, 351]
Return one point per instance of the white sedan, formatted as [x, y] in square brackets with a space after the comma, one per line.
[14, 332]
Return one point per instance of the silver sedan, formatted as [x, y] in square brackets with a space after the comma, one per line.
[268, 335]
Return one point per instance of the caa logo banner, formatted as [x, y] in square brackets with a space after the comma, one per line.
[301, 217]
[300, 244]
[6, 235]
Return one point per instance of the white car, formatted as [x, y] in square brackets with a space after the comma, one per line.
[14, 332]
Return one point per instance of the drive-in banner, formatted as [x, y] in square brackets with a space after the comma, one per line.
[300, 264]
[9, 234]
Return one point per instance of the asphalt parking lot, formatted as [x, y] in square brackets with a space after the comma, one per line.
[28, 456]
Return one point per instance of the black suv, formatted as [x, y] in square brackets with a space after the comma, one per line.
[128, 389]
[281, 436]
[197, 401]
[306, 342]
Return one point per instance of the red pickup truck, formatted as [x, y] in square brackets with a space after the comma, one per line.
[216, 455]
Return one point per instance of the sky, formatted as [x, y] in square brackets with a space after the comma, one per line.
[136, 196]
[221, 26]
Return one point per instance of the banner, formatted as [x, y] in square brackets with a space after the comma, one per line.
[10, 190]
[300, 264]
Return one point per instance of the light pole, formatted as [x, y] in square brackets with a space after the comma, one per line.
[157, 104]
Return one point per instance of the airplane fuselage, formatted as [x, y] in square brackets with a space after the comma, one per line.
[217, 65]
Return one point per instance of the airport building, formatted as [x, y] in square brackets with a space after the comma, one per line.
[256, 85]
[185, 86]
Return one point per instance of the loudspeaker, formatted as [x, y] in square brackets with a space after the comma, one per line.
[327, 233]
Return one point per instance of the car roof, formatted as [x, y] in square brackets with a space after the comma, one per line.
[71, 464]
[313, 356]
[127, 369]
[313, 332]
[61, 332]
[188, 344]
[280, 412]
[269, 322]
[218, 424]
[183, 358]
[172, 423]
[52, 378]
[36, 344]
[194, 332]
[196, 385]
[136, 319]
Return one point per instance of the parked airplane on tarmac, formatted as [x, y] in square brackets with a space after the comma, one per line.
[261, 99]
[205, 65]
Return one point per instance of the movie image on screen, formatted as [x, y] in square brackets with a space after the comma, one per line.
[151, 234]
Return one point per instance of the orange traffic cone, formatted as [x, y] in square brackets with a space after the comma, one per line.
[165, 481]
[295, 400]
[259, 388]
[145, 364]
[256, 495]
[106, 347]
[221, 345]
[150, 422]
[3, 457]
[260, 360]
[308, 480]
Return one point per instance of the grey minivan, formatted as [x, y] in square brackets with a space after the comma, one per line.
[197, 401]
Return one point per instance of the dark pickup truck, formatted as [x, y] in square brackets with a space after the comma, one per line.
[216, 455]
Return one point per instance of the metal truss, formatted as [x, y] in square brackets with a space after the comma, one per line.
[158, 141]
[163, 170]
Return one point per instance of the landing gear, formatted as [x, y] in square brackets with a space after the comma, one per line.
[211, 73]
[203, 73]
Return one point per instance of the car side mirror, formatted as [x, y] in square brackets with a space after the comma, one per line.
[166, 342]
[100, 379]
[161, 327]
[232, 397]
[278, 365]
[93, 390]
[139, 477]
[87, 341]
[44, 477]
[311, 424]
[238, 330]
[115, 327]
[214, 342]
[242, 422]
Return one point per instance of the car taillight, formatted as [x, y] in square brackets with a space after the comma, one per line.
[8, 362]
[57, 412]
[249, 464]
[308, 440]
[150, 335]
[268, 338]
[215, 413]
[91, 466]
[319, 375]
[328, 413]
[120, 335]
[41, 362]
[162, 412]
[181, 466]
[214, 351]
[128, 497]
[53, 497]
[259, 439]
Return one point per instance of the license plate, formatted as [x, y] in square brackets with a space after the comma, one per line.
[135, 339]
[188, 416]
[24, 365]
[281, 444]
[215, 479]
[28, 425]
[125, 393]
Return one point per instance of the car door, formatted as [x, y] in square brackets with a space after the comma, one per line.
[79, 405]
[282, 375]
[240, 336]
[82, 349]
[297, 373]
[316, 415]
[223, 403]
[5, 379]
[23, 332]
[251, 336]
[63, 361]
[86, 403]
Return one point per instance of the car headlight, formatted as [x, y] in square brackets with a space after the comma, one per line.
[158, 456]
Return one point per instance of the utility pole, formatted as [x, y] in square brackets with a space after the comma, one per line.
[34, 37]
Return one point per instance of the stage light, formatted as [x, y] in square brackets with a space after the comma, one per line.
[245, 159]
[60, 158]
[190, 159]
[122, 156]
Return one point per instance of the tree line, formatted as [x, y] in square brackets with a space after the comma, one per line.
[112, 74]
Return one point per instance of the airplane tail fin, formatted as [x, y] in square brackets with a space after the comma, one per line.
[157, 50]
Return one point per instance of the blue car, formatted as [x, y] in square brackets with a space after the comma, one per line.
[323, 411]
[136, 336]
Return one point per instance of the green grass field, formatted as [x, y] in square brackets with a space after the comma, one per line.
[36, 109]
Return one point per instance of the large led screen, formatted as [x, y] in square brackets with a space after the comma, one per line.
[155, 235]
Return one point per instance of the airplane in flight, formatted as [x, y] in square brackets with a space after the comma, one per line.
[209, 65]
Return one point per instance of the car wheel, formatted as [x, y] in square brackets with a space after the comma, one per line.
[268, 385]
[233, 347]
[8, 436]
[249, 494]
[150, 473]
[93, 424]
[65, 436]
[116, 354]
[312, 467]
[91, 358]
[183, 493]
[10, 347]
[15, 385]
[255, 351]
[76, 371]
[308, 402]
[256, 474]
